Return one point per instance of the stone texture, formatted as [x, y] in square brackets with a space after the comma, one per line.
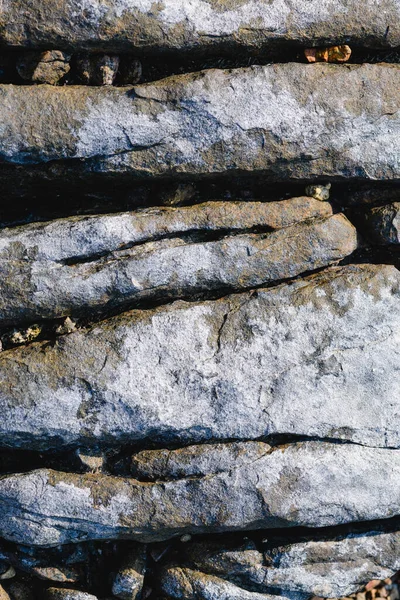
[317, 357]
[194, 461]
[382, 224]
[186, 584]
[124, 25]
[65, 594]
[284, 120]
[97, 69]
[161, 270]
[311, 484]
[3, 594]
[330, 568]
[334, 54]
[128, 582]
[44, 67]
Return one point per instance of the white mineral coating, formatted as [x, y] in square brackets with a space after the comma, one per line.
[313, 484]
[382, 224]
[285, 120]
[317, 357]
[83, 237]
[65, 594]
[32, 287]
[336, 568]
[333, 568]
[126, 25]
[187, 584]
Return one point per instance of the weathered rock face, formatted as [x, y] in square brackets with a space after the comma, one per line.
[76, 284]
[330, 568]
[175, 24]
[310, 484]
[270, 119]
[282, 360]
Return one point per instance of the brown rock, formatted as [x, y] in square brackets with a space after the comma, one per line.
[334, 54]
[98, 69]
[44, 67]
[3, 594]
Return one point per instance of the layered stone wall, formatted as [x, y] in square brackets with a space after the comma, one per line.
[199, 300]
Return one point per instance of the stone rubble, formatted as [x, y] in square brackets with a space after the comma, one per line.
[199, 368]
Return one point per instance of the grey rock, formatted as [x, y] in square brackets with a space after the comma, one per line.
[382, 224]
[44, 67]
[97, 69]
[126, 25]
[128, 582]
[193, 461]
[283, 121]
[317, 357]
[186, 584]
[161, 270]
[64, 594]
[330, 568]
[312, 484]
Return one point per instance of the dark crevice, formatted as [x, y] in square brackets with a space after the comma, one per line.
[156, 65]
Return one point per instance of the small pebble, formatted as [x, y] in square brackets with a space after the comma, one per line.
[186, 538]
[334, 54]
[319, 192]
[98, 69]
[43, 67]
[8, 574]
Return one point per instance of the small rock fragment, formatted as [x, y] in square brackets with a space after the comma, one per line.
[319, 192]
[23, 336]
[92, 462]
[44, 67]
[9, 573]
[186, 538]
[64, 594]
[334, 54]
[59, 574]
[4, 595]
[130, 70]
[128, 583]
[67, 326]
[99, 69]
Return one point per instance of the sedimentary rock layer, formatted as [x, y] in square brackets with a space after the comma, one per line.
[318, 357]
[308, 484]
[76, 281]
[287, 120]
[179, 25]
[331, 568]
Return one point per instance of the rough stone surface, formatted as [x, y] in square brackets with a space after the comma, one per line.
[317, 357]
[194, 460]
[186, 584]
[64, 594]
[44, 67]
[331, 568]
[302, 121]
[3, 594]
[162, 270]
[311, 484]
[177, 24]
[97, 69]
[382, 224]
[128, 582]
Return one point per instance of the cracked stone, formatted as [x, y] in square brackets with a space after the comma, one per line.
[310, 484]
[176, 25]
[241, 367]
[159, 270]
[245, 125]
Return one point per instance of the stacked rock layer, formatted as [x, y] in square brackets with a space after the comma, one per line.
[199, 300]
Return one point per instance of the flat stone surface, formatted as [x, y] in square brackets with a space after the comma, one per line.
[328, 568]
[32, 287]
[313, 484]
[125, 25]
[318, 357]
[283, 120]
